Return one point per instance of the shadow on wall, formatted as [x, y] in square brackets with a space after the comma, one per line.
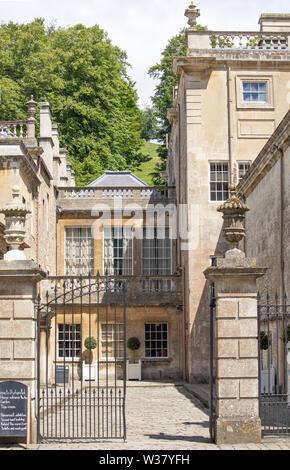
[199, 341]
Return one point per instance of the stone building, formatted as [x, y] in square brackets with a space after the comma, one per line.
[106, 229]
[233, 93]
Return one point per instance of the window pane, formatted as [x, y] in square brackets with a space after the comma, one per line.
[156, 340]
[156, 253]
[218, 181]
[112, 340]
[79, 251]
[69, 344]
[118, 251]
[255, 91]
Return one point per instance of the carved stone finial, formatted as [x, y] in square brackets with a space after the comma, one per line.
[15, 216]
[234, 210]
[192, 14]
[31, 106]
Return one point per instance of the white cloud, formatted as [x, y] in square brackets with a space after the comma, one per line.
[143, 27]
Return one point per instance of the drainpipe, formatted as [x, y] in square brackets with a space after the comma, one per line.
[229, 101]
[178, 201]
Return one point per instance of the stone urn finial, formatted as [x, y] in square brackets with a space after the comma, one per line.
[31, 106]
[192, 14]
[15, 216]
[234, 211]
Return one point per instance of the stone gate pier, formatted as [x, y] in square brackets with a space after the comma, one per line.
[236, 355]
[18, 326]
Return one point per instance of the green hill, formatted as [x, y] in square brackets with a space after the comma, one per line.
[146, 169]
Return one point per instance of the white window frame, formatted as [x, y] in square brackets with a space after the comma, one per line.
[242, 162]
[65, 250]
[70, 357]
[167, 340]
[217, 162]
[171, 250]
[241, 104]
[126, 227]
[120, 341]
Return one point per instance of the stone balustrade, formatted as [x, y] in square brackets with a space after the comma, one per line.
[249, 40]
[154, 193]
[13, 129]
[239, 40]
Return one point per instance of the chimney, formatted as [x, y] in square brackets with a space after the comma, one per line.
[45, 139]
[63, 179]
[56, 156]
[275, 22]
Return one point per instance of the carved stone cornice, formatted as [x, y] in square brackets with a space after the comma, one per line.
[202, 59]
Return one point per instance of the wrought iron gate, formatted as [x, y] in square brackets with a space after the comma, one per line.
[212, 404]
[274, 364]
[81, 360]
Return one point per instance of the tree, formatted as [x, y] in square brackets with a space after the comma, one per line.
[85, 79]
[162, 99]
[149, 125]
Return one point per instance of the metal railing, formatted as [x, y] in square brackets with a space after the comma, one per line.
[70, 405]
[140, 289]
[274, 362]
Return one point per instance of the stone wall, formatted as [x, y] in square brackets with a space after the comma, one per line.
[213, 121]
[268, 221]
[169, 368]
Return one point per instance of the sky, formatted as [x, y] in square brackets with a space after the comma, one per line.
[142, 27]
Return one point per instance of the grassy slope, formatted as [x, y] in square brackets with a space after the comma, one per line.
[146, 168]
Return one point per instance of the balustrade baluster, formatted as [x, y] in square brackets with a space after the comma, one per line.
[240, 41]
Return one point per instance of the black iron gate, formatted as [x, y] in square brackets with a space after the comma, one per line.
[212, 404]
[81, 365]
[274, 364]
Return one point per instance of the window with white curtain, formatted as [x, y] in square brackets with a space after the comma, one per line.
[156, 251]
[112, 340]
[79, 251]
[118, 251]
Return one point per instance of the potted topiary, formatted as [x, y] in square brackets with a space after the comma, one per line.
[133, 365]
[264, 341]
[89, 367]
[90, 343]
[133, 344]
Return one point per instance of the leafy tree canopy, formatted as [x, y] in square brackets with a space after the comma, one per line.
[85, 79]
[149, 124]
[163, 97]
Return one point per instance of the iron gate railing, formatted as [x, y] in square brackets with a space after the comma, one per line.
[212, 404]
[81, 360]
[274, 364]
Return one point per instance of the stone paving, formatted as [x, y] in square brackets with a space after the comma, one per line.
[162, 418]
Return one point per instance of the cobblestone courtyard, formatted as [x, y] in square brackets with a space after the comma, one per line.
[163, 418]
